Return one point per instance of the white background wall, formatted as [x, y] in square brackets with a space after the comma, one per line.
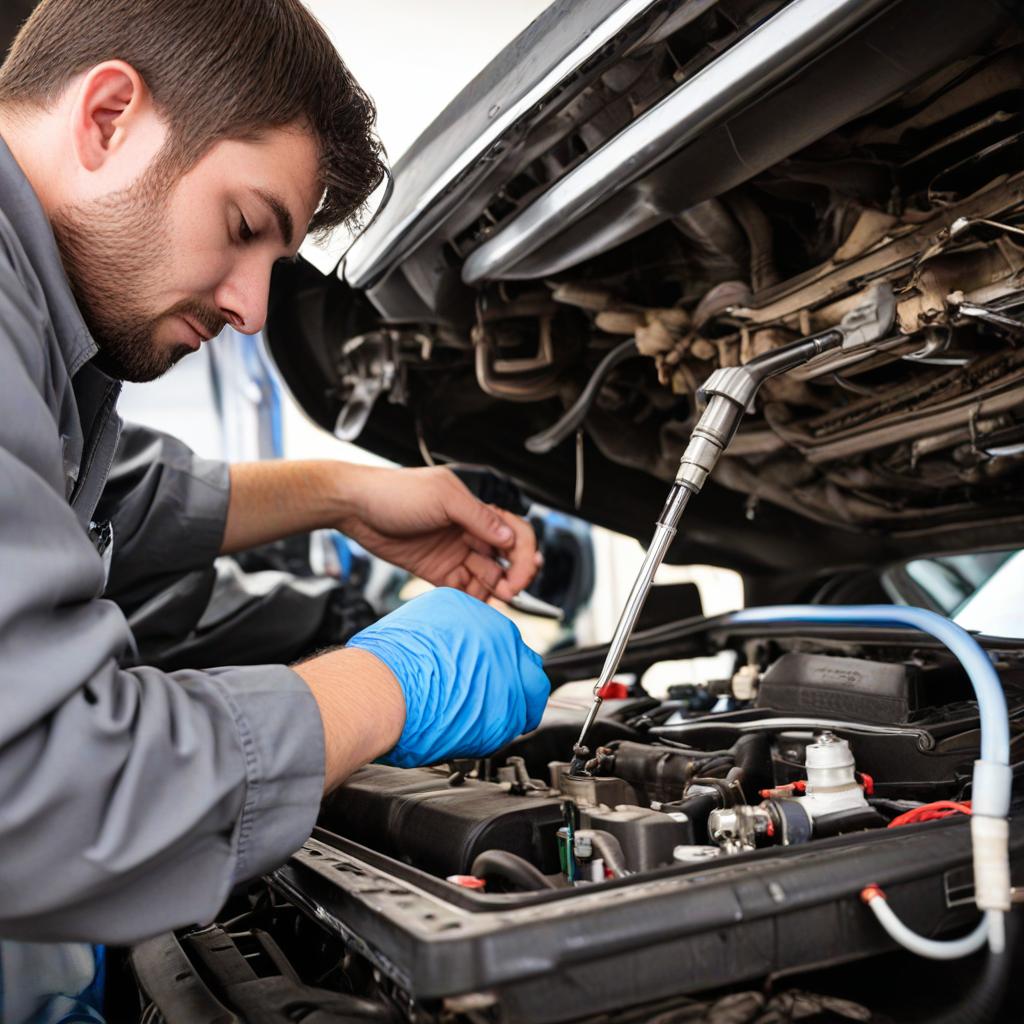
[413, 56]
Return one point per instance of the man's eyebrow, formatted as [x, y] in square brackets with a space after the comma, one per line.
[281, 212]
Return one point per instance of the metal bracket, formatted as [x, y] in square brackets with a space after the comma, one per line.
[367, 369]
[871, 320]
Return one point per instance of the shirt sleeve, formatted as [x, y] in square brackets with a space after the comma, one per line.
[167, 507]
[131, 800]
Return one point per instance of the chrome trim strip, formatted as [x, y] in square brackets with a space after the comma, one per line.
[367, 252]
[758, 60]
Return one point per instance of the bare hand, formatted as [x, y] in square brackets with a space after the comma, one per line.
[427, 521]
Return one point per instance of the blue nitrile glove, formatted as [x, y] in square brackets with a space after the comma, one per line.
[470, 683]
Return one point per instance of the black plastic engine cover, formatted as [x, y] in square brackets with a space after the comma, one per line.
[851, 688]
[418, 816]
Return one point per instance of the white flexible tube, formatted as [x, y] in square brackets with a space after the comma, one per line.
[996, 930]
[933, 949]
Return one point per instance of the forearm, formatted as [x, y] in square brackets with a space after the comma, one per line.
[271, 500]
[361, 706]
[423, 520]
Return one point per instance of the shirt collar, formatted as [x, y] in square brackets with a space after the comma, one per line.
[20, 204]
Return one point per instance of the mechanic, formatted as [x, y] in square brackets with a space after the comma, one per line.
[156, 160]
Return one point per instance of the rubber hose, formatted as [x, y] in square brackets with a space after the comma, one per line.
[608, 847]
[659, 770]
[751, 753]
[932, 949]
[510, 867]
[758, 230]
[543, 442]
[984, 999]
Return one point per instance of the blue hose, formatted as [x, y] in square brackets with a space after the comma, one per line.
[995, 728]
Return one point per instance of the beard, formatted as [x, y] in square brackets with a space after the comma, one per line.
[116, 251]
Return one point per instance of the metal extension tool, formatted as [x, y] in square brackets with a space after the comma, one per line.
[729, 393]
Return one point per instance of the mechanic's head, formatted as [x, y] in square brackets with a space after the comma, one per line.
[180, 149]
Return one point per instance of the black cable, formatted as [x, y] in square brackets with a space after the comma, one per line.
[546, 440]
[510, 867]
[665, 741]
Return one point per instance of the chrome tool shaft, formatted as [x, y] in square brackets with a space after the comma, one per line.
[664, 532]
[729, 393]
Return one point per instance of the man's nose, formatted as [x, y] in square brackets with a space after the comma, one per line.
[242, 297]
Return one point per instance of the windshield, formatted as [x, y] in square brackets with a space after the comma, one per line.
[982, 591]
[997, 606]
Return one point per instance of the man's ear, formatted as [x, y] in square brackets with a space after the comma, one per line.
[110, 101]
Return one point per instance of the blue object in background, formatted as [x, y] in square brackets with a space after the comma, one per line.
[51, 983]
[247, 395]
[250, 407]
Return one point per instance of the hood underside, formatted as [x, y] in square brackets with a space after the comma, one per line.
[635, 194]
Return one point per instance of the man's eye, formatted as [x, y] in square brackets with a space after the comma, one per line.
[245, 233]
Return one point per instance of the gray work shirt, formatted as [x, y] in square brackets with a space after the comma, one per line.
[131, 800]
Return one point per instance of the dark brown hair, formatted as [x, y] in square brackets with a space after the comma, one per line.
[217, 69]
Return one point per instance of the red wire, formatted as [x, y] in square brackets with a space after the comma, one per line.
[931, 812]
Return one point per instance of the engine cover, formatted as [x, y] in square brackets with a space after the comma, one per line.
[419, 816]
[854, 688]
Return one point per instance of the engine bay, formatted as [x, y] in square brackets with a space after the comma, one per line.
[712, 846]
[808, 746]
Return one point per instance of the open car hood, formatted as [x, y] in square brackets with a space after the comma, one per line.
[709, 180]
